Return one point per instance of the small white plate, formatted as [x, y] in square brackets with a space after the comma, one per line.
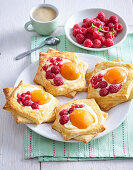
[92, 13]
[116, 115]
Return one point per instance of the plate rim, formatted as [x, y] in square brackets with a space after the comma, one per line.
[95, 49]
[70, 141]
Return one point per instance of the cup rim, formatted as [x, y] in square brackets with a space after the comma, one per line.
[44, 5]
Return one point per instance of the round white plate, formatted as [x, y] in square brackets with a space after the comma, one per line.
[116, 115]
[92, 13]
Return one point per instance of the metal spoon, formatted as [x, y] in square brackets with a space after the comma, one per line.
[48, 41]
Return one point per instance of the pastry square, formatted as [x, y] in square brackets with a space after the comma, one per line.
[68, 73]
[110, 83]
[80, 120]
[31, 102]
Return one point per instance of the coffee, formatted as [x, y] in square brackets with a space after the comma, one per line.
[44, 14]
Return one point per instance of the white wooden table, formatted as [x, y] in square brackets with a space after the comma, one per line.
[14, 40]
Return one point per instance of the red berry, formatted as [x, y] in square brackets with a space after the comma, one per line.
[94, 80]
[35, 106]
[19, 101]
[45, 67]
[100, 75]
[23, 94]
[104, 92]
[59, 64]
[59, 58]
[83, 31]
[27, 102]
[75, 32]
[101, 16]
[22, 99]
[91, 30]
[106, 28]
[97, 43]
[52, 60]
[63, 119]
[81, 105]
[95, 86]
[76, 26]
[86, 20]
[28, 92]
[109, 35]
[114, 88]
[49, 75]
[85, 25]
[78, 105]
[55, 69]
[89, 36]
[118, 27]
[110, 25]
[102, 39]
[71, 110]
[58, 81]
[18, 95]
[28, 97]
[113, 19]
[97, 35]
[88, 43]
[102, 84]
[108, 42]
[80, 38]
[63, 112]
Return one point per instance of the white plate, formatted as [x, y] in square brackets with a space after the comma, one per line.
[92, 13]
[116, 115]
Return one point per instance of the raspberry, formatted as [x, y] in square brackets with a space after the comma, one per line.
[109, 35]
[55, 69]
[23, 95]
[102, 84]
[99, 79]
[52, 60]
[35, 106]
[45, 67]
[104, 92]
[80, 38]
[91, 29]
[88, 43]
[76, 26]
[97, 35]
[85, 25]
[110, 25]
[114, 88]
[102, 39]
[19, 101]
[95, 86]
[18, 95]
[81, 105]
[83, 31]
[75, 32]
[27, 102]
[108, 42]
[63, 119]
[28, 97]
[28, 92]
[63, 112]
[78, 105]
[94, 80]
[59, 64]
[101, 16]
[106, 21]
[58, 81]
[71, 110]
[49, 75]
[89, 36]
[86, 20]
[113, 19]
[59, 58]
[22, 99]
[106, 28]
[118, 27]
[97, 23]
[100, 75]
[97, 43]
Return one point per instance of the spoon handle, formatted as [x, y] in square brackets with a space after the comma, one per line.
[22, 55]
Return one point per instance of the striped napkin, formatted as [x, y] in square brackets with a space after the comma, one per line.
[116, 145]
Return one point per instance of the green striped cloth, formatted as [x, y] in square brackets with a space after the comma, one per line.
[116, 145]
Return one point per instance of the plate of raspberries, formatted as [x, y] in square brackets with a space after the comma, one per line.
[96, 29]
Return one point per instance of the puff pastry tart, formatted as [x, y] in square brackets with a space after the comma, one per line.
[110, 83]
[61, 73]
[30, 104]
[80, 120]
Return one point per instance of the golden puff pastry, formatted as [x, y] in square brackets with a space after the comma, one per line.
[119, 78]
[70, 87]
[28, 114]
[81, 131]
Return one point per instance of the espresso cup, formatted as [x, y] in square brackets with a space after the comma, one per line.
[42, 28]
